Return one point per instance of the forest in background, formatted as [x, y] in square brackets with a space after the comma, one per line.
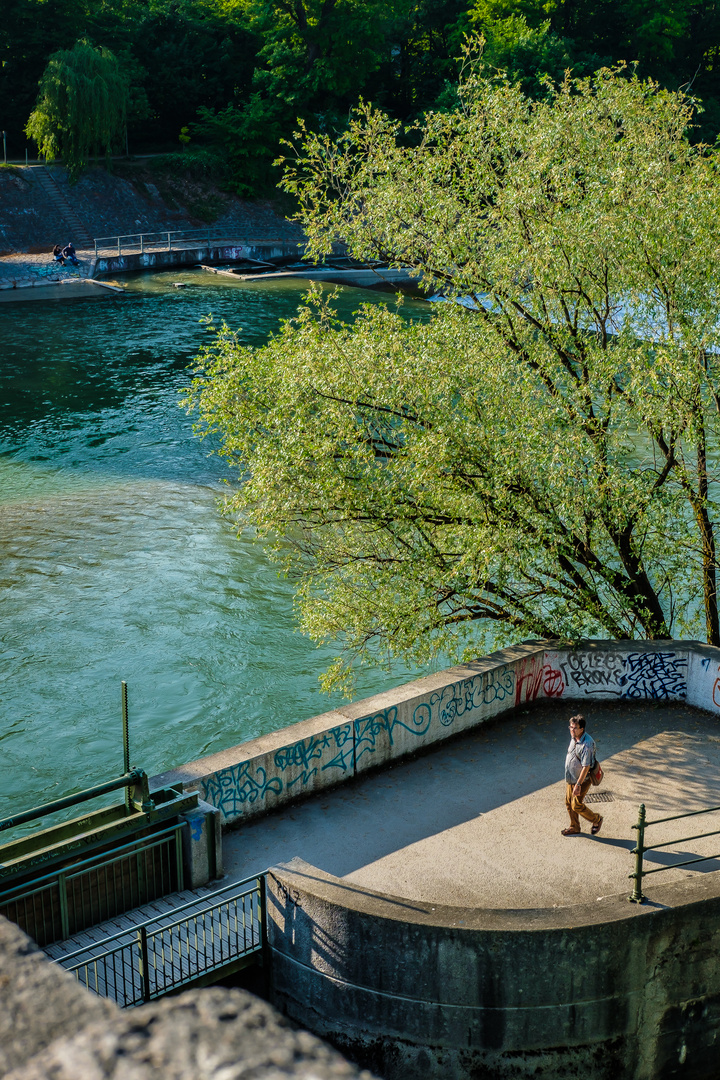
[225, 80]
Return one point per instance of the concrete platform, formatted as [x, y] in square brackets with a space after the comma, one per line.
[477, 822]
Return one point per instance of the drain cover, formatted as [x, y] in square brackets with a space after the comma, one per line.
[600, 796]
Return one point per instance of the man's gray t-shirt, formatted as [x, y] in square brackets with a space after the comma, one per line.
[581, 752]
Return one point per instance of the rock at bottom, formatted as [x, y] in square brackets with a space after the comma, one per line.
[213, 1034]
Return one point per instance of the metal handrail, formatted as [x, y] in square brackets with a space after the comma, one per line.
[135, 776]
[157, 838]
[97, 880]
[122, 966]
[637, 896]
[166, 238]
[157, 918]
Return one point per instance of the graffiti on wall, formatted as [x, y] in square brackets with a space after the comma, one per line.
[655, 675]
[231, 789]
[443, 708]
[528, 678]
[607, 673]
[308, 754]
[596, 673]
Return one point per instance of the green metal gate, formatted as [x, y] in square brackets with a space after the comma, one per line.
[64, 902]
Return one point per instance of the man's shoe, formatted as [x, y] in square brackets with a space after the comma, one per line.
[597, 827]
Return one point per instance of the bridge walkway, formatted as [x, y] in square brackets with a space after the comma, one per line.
[185, 939]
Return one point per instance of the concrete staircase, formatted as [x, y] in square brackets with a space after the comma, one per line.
[69, 225]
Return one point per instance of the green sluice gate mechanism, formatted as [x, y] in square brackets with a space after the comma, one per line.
[56, 881]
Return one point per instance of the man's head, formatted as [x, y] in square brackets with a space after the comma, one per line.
[577, 726]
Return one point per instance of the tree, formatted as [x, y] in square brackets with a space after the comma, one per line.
[540, 462]
[81, 108]
[316, 57]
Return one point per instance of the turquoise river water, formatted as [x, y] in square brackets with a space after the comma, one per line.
[115, 562]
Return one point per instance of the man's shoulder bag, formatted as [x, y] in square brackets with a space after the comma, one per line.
[596, 773]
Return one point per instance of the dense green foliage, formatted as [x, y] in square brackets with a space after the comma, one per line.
[238, 73]
[82, 106]
[543, 463]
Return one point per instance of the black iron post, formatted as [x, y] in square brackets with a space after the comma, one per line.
[637, 893]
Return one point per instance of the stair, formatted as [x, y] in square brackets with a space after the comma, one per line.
[69, 225]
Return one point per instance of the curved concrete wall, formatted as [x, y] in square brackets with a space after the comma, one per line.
[304, 758]
[598, 992]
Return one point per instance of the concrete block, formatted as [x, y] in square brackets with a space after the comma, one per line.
[39, 1002]
[202, 845]
[200, 1035]
[600, 990]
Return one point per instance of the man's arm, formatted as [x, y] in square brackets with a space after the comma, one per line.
[579, 782]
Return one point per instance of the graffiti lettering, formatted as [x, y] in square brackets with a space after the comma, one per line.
[553, 684]
[654, 675]
[443, 708]
[528, 683]
[301, 754]
[460, 698]
[230, 789]
[594, 672]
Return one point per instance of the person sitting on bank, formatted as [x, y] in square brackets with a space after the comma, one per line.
[69, 253]
[58, 255]
[579, 762]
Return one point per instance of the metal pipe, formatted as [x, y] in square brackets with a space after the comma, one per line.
[134, 777]
[637, 893]
[682, 840]
[687, 862]
[126, 741]
[678, 817]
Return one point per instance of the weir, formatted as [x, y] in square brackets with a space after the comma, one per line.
[434, 922]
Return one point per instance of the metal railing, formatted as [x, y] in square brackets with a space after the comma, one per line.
[64, 902]
[132, 778]
[173, 241]
[221, 931]
[639, 850]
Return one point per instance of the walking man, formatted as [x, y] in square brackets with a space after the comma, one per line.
[578, 764]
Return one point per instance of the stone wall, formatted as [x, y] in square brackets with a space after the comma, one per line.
[51, 1027]
[265, 773]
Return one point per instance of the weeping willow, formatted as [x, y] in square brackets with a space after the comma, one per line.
[81, 107]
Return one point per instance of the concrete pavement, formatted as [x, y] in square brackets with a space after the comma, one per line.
[477, 822]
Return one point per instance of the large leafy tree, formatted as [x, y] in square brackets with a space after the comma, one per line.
[542, 461]
[315, 58]
[81, 107]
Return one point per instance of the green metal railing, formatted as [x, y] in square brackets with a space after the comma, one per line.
[639, 850]
[223, 931]
[132, 778]
[63, 903]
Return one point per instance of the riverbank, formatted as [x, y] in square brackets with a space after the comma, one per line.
[136, 197]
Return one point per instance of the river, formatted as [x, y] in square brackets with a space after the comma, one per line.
[115, 562]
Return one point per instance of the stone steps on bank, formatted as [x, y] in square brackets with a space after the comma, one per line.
[69, 224]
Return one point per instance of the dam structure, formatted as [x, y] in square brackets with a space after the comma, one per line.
[420, 908]
[434, 922]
